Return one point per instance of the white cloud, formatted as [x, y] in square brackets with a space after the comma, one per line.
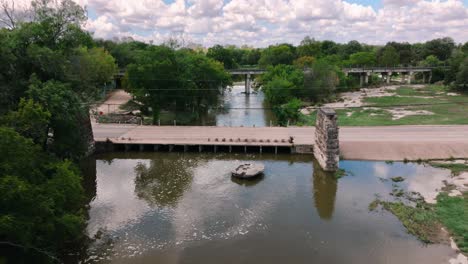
[264, 22]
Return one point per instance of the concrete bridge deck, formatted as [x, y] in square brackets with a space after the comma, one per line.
[359, 143]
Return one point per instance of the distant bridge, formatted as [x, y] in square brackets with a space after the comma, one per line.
[386, 72]
[248, 76]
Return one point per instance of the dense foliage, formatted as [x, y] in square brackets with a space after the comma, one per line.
[179, 80]
[51, 69]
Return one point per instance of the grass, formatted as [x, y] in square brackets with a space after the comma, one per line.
[420, 221]
[425, 220]
[453, 213]
[456, 169]
[447, 109]
[398, 179]
[340, 173]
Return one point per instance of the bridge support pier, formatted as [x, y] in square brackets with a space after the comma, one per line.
[389, 77]
[410, 76]
[327, 148]
[247, 83]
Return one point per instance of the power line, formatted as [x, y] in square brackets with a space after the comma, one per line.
[318, 107]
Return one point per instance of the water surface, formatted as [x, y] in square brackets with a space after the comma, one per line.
[186, 208]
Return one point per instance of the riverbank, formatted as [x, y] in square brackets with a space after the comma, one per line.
[398, 105]
[439, 220]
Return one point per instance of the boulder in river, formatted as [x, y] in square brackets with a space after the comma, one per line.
[248, 170]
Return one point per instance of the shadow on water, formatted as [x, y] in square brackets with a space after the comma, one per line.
[324, 188]
[248, 182]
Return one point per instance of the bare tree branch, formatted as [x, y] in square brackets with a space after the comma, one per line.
[8, 14]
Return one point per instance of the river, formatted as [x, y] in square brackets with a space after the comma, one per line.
[186, 208]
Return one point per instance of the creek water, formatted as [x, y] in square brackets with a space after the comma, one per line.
[186, 208]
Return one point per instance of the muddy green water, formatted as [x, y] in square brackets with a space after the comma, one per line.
[186, 208]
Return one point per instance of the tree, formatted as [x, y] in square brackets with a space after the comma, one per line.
[277, 54]
[455, 61]
[389, 57]
[68, 117]
[288, 112]
[404, 51]
[362, 59]
[329, 48]
[320, 82]
[60, 17]
[91, 69]
[462, 75]
[30, 120]
[163, 78]
[441, 48]
[12, 14]
[223, 55]
[304, 62]
[351, 47]
[42, 198]
[309, 47]
[281, 83]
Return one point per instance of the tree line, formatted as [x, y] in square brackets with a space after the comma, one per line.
[50, 70]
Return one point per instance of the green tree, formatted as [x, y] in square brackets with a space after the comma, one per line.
[42, 199]
[223, 55]
[441, 48]
[163, 78]
[389, 57]
[362, 59]
[309, 47]
[350, 48]
[454, 62]
[320, 82]
[68, 117]
[278, 54]
[303, 62]
[90, 70]
[462, 75]
[288, 112]
[30, 120]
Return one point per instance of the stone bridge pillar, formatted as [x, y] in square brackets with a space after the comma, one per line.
[247, 83]
[389, 76]
[410, 76]
[327, 147]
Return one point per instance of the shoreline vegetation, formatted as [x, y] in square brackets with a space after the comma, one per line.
[432, 223]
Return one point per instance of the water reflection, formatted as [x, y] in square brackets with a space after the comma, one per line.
[163, 181]
[186, 208]
[324, 189]
[248, 182]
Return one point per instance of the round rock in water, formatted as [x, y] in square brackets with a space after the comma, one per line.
[246, 171]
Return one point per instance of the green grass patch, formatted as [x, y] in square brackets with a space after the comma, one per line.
[425, 220]
[420, 221]
[340, 174]
[398, 179]
[447, 110]
[456, 169]
[453, 213]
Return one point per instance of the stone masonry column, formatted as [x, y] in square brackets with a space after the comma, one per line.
[410, 76]
[389, 76]
[366, 78]
[247, 84]
[327, 147]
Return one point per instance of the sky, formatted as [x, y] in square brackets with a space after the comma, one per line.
[260, 23]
